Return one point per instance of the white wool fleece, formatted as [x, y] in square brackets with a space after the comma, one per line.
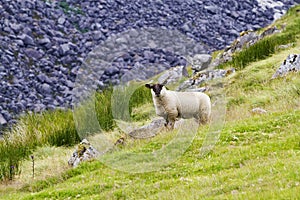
[172, 105]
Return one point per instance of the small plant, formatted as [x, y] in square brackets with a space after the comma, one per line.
[67, 8]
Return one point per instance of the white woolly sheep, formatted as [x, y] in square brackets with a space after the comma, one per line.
[171, 105]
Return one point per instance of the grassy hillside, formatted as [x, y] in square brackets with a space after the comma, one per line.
[256, 157]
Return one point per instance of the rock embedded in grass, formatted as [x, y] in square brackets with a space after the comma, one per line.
[290, 64]
[258, 111]
[84, 152]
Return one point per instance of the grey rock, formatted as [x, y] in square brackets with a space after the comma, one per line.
[19, 42]
[42, 77]
[285, 46]
[7, 115]
[28, 40]
[59, 99]
[149, 55]
[121, 40]
[16, 27]
[61, 20]
[204, 76]
[258, 111]
[173, 75]
[290, 64]
[269, 31]
[64, 49]
[70, 84]
[186, 27]
[211, 9]
[44, 41]
[97, 35]
[46, 88]
[149, 130]
[111, 71]
[84, 152]
[2, 120]
[39, 107]
[200, 62]
[32, 53]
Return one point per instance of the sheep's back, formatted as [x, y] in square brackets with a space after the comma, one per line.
[188, 103]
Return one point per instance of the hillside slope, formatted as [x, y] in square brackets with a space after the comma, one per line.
[256, 157]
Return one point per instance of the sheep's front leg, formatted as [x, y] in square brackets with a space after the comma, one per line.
[172, 114]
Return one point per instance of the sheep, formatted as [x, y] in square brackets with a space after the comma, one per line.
[171, 105]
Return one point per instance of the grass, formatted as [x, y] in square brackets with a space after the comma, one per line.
[256, 157]
[258, 154]
[57, 128]
[52, 128]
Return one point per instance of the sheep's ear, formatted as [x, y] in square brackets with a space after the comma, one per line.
[148, 86]
[161, 85]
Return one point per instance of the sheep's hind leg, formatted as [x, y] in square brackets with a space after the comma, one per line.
[203, 119]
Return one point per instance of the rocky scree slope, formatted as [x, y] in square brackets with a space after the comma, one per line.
[43, 43]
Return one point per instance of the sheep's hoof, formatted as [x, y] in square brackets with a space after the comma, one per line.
[170, 126]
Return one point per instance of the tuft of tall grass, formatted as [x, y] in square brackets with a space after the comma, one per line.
[138, 97]
[52, 127]
[104, 109]
[260, 50]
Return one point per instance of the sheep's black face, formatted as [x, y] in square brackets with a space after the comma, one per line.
[156, 88]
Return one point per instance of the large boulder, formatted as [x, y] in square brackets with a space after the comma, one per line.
[173, 75]
[149, 130]
[152, 129]
[290, 64]
[200, 62]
